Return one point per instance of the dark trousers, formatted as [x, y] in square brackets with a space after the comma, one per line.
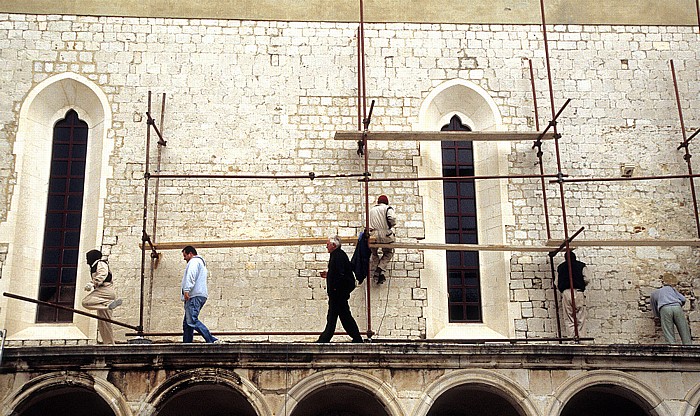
[338, 308]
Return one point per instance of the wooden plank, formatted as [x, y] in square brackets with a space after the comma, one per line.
[628, 243]
[443, 135]
[308, 241]
[463, 247]
[311, 241]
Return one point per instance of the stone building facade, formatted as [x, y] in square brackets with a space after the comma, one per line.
[264, 95]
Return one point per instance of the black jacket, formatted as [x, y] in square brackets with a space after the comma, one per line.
[576, 270]
[339, 280]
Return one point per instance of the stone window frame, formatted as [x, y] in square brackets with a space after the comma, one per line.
[45, 104]
[477, 109]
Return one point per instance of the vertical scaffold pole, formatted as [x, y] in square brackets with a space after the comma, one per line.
[538, 145]
[559, 171]
[362, 99]
[687, 155]
[144, 235]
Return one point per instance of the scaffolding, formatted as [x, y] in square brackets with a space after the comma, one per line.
[363, 136]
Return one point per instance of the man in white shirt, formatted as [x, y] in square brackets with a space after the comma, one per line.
[382, 220]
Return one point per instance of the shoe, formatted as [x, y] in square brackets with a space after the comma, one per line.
[218, 341]
[114, 304]
[358, 341]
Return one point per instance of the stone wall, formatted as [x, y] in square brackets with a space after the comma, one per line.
[265, 98]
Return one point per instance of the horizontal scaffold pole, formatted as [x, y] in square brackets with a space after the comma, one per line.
[463, 136]
[310, 175]
[66, 308]
[456, 178]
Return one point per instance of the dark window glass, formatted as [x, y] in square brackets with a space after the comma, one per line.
[51, 257]
[468, 239]
[56, 202]
[467, 207]
[78, 152]
[59, 168]
[50, 274]
[66, 294]
[468, 224]
[448, 154]
[451, 205]
[449, 170]
[452, 238]
[465, 171]
[466, 189]
[453, 259]
[52, 240]
[57, 186]
[73, 220]
[77, 169]
[63, 315]
[60, 151]
[76, 185]
[451, 223]
[75, 202]
[68, 275]
[465, 157]
[63, 214]
[455, 278]
[449, 188]
[71, 238]
[473, 313]
[463, 281]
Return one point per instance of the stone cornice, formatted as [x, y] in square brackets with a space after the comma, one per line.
[410, 355]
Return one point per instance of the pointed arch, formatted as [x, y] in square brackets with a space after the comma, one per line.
[45, 104]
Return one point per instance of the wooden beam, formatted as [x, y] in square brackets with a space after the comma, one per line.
[628, 243]
[312, 241]
[443, 135]
[462, 247]
[308, 241]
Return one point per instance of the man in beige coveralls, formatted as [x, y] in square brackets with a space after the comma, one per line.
[382, 220]
[102, 299]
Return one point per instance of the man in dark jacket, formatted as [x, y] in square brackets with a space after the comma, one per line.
[580, 281]
[339, 283]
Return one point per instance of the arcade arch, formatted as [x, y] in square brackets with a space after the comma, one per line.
[341, 392]
[606, 392]
[222, 392]
[67, 394]
[692, 400]
[482, 392]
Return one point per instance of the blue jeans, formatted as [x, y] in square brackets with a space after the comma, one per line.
[191, 323]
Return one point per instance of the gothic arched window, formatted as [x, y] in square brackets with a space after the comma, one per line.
[59, 260]
[461, 227]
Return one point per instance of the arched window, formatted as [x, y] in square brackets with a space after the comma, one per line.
[460, 227]
[59, 261]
